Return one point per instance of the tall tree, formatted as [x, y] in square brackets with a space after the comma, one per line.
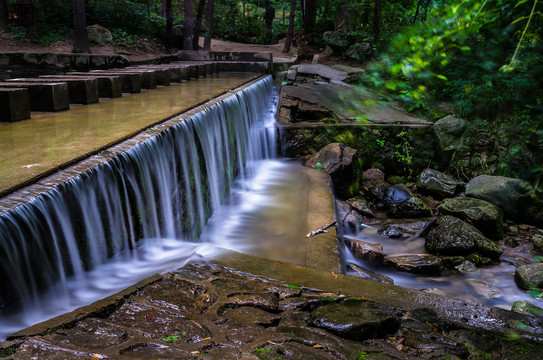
[81, 43]
[209, 24]
[31, 30]
[189, 25]
[198, 24]
[3, 15]
[310, 15]
[162, 8]
[290, 33]
[169, 22]
[269, 15]
[377, 18]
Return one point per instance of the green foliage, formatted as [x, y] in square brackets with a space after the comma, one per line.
[404, 150]
[170, 339]
[260, 351]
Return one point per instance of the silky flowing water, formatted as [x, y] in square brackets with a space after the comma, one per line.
[491, 285]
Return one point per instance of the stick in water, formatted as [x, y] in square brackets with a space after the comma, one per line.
[320, 230]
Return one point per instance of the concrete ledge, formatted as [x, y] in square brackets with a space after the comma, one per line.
[48, 96]
[80, 90]
[14, 104]
[62, 60]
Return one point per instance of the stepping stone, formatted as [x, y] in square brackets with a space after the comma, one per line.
[108, 86]
[148, 76]
[44, 96]
[14, 104]
[80, 90]
[162, 75]
[131, 82]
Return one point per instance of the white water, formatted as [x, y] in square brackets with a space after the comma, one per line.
[136, 215]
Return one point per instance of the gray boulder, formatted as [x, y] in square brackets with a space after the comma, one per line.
[537, 241]
[438, 184]
[356, 319]
[372, 177]
[448, 133]
[361, 206]
[516, 197]
[337, 40]
[358, 51]
[530, 275]
[452, 236]
[98, 35]
[486, 217]
[416, 264]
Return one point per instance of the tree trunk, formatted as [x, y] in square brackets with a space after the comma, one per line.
[310, 15]
[426, 11]
[3, 15]
[81, 43]
[198, 24]
[32, 29]
[377, 19]
[189, 24]
[209, 24]
[162, 9]
[169, 22]
[269, 15]
[417, 11]
[290, 33]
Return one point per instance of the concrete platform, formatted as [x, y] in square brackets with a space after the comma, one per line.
[163, 75]
[80, 90]
[108, 86]
[48, 96]
[14, 104]
[148, 76]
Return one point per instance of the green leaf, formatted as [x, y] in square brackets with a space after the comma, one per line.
[292, 286]
[319, 166]
[284, 83]
[326, 298]
[442, 77]
[391, 85]
[170, 339]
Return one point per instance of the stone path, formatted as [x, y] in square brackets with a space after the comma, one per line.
[208, 311]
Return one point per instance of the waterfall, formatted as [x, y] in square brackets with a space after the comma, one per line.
[160, 189]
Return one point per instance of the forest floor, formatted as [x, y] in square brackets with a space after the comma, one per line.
[143, 50]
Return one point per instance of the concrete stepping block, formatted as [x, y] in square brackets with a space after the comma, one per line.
[130, 82]
[80, 90]
[148, 76]
[44, 96]
[109, 86]
[163, 74]
[14, 104]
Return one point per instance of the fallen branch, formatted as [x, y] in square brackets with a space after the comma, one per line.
[320, 230]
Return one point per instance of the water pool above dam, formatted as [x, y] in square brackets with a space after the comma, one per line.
[41, 144]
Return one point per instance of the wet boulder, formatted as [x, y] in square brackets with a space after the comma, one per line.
[363, 273]
[404, 203]
[448, 132]
[337, 160]
[526, 308]
[486, 217]
[530, 275]
[537, 241]
[365, 251]
[416, 264]
[516, 197]
[358, 51]
[397, 230]
[361, 206]
[452, 236]
[357, 319]
[439, 185]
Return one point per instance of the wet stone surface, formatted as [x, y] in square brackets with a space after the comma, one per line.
[205, 311]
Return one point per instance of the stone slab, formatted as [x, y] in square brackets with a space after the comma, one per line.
[148, 76]
[323, 71]
[80, 90]
[108, 86]
[14, 104]
[163, 75]
[46, 96]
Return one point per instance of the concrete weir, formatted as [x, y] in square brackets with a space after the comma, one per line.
[160, 183]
